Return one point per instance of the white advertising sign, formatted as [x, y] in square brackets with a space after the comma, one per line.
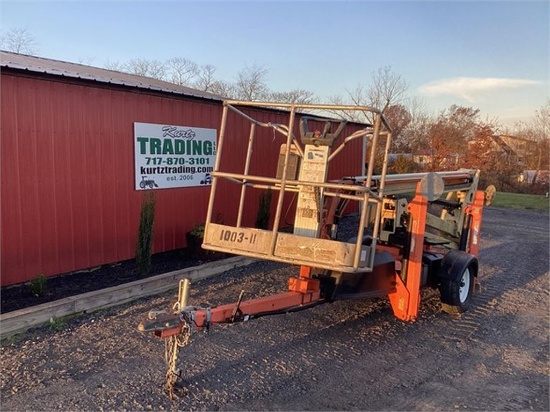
[168, 156]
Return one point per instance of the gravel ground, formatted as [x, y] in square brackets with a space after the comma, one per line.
[348, 355]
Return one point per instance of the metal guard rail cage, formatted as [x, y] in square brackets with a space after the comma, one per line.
[303, 246]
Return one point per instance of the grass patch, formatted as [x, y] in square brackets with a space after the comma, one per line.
[57, 324]
[520, 201]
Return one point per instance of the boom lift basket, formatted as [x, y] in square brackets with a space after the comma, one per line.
[309, 244]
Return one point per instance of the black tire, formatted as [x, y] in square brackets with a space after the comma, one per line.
[457, 288]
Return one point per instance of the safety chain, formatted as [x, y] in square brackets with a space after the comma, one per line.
[173, 344]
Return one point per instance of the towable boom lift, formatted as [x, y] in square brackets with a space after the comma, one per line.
[400, 245]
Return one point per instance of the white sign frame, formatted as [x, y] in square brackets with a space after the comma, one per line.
[168, 156]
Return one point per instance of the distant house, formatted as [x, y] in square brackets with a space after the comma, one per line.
[514, 149]
[423, 159]
[534, 176]
[392, 157]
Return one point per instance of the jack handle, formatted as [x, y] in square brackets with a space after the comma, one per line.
[236, 310]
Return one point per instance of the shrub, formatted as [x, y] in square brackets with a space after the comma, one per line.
[39, 286]
[144, 248]
[198, 230]
[57, 324]
[264, 210]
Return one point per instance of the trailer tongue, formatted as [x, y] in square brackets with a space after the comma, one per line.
[415, 230]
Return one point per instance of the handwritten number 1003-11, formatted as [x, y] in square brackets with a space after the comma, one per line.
[239, 237]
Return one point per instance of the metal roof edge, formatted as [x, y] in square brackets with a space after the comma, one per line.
[42, 65]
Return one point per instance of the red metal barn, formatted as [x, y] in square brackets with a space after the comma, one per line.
[68, 195]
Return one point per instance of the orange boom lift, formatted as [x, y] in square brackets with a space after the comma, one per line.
[415, 230]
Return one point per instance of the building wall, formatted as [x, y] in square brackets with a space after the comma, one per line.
[67, 196]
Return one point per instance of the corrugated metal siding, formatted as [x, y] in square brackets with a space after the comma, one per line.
[68, 200]
[67, 197]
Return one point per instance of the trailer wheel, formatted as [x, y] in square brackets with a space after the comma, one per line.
[457, 279]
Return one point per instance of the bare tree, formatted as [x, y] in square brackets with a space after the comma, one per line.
[19, 40]
[399, 118]
[114, 65]
[537, 128]
[299, 96]
[224, 89]
[351, 115]
[415, 135]
[542, 122]
[88, 61]
[388, 88]
[358, 97]
[205, 78]
[537, 132]
[251, 83]
[147, 68]
[182, 70]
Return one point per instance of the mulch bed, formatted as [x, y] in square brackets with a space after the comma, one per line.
[70, 284]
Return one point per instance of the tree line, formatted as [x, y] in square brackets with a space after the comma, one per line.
[456, 137]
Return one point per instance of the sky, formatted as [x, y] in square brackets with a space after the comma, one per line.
[490, 55]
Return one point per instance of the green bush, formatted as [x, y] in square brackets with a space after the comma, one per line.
[144, 248]
[39, 286]
[264, 210]
[198, 230]
[57, 324]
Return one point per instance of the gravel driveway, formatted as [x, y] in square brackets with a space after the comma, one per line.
[348, 355]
